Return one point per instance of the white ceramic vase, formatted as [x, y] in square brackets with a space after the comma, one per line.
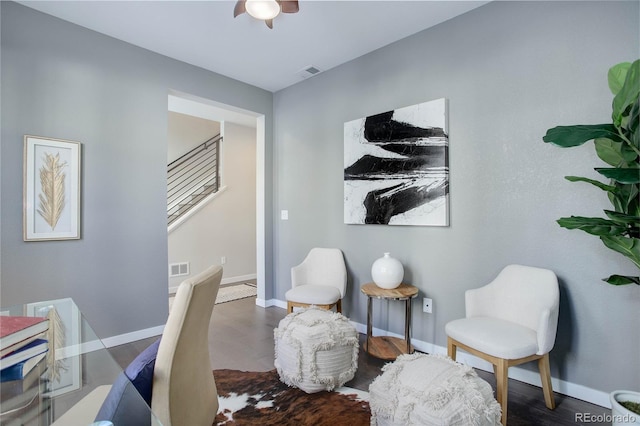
[620, 415]
[387, 272]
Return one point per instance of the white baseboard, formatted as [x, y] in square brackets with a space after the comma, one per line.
[271, 302]
[238, 279]
[229, 280]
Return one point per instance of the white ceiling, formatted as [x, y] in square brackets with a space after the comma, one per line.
[323, 34]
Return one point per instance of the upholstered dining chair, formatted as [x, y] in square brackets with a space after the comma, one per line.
[510, 321]
[180, 385]
[184, 390]
[320, 280]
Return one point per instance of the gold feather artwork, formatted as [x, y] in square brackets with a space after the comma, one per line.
[56, 339]
[52, 198]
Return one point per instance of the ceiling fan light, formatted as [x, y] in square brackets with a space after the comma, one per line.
[262, 9]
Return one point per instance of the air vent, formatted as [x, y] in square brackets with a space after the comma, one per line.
[178, 269]
[312, 70]
[308, 71]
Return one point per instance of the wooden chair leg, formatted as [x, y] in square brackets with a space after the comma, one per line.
[451, 348]
[545, 378]
[292, 305]
[502, 386]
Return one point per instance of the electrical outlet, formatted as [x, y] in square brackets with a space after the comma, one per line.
[427, 305]
[223, 260]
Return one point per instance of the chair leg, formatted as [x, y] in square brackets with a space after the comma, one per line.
[451, 348]
[339, 306]
[545, 378]
[289, 307]
[502, 385]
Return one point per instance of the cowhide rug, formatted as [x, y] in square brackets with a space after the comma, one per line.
[260, 398]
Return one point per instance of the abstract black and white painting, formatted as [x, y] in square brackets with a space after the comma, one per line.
[396, 167]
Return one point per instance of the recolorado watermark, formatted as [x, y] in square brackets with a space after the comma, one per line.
[604, 418]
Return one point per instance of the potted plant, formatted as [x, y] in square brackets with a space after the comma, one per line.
[618, 145]
[625, 407]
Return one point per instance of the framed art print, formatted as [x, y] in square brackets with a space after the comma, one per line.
[51, 189]
[396, 167]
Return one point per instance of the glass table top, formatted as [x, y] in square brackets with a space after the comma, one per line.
[81, 363]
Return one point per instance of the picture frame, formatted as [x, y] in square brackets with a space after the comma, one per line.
[396, 167]
[51, 189]
[69, 355]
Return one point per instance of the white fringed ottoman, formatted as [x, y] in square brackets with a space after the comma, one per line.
[316, 350]
[422, 389]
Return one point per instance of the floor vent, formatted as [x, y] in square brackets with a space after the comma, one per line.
[178, 269]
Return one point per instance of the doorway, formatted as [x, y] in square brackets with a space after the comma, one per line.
[194, 106]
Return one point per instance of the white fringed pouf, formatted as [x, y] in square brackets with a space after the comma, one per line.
[316, 350]
[422, 389]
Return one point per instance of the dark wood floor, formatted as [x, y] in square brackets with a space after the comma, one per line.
[241, 338]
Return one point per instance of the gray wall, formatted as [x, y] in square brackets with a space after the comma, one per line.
[60, 80]
[227, 225]
[510, 71]
[186, 132]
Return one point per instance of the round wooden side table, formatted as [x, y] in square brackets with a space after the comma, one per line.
[385, 347]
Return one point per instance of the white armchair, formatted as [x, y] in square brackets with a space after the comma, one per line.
[510, 321]
[320, 280]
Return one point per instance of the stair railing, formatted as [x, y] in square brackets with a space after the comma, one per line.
[192, 177]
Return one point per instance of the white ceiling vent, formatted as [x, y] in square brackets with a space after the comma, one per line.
[308, 71]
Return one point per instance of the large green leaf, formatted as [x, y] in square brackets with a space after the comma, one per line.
[625, 199]
[634, 122]
[617, 75]
[626, 176]
[593, 225]
[628, 152]
[594, 182]
[633, 199]
[622, 280]
[623, 218]
[613, 153]
[627, 94]
[629, 247]
[631, 222]
[569, 136]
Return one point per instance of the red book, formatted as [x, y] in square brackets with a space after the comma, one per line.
[15, 329]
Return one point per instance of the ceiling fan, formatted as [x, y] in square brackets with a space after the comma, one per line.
[265, 9]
